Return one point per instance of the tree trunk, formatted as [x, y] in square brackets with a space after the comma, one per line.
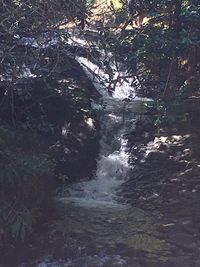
[171, 82]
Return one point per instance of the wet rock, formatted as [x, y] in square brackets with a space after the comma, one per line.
[162, 147]
[197, 263]
[158, 156]
[179, 261]
[183, 240]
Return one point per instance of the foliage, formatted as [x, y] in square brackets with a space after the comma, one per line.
[163, 52]
[31, 16]
[38, 95]
[24, 178]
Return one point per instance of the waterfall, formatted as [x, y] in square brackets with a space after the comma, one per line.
[116, 121]
[118, 117]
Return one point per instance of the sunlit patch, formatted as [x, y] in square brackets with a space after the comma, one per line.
[117, 4]
[90, 122]
[66, 129]
[167, 141]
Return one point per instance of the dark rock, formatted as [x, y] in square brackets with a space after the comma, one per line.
[162, 157]
[179, 261]
[197, 263]
[183, 240]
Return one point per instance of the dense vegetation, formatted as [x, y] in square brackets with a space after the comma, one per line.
[43, 91]
[44, 98]
[162, 50]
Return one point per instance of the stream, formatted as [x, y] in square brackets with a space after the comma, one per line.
[99, 228]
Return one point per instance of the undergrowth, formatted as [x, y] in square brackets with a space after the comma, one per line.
[25, 182]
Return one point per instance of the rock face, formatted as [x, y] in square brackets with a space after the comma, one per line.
[165, 179]
[165, 166]
[59, 108]
[77, 151]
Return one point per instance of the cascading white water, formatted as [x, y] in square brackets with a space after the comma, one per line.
[112, 165]
[116, 119]
[122, 86]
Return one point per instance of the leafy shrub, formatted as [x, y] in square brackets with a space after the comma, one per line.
[25, 182]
